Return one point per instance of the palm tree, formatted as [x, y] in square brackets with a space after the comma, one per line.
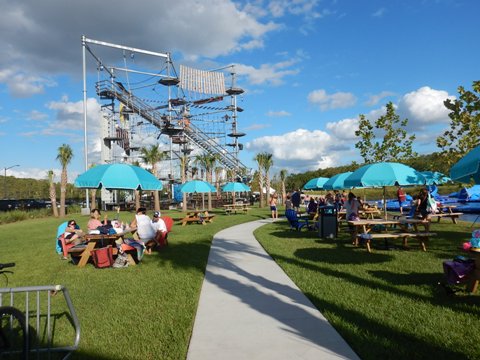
[184, 166]
[93, 194]
[53, 192]
[260, 159]
[138, 195]
[65, 155]
[152, 156]
[283, 177]
[207, 161]
[268, 163]
[218, 172]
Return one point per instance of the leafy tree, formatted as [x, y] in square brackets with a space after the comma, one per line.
[52, 192]
[152, 155]
[65, 155]
[265, 162]
[464, 132]
[395, 144]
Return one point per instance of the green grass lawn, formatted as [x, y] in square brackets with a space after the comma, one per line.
[387, 304]
[141, 312]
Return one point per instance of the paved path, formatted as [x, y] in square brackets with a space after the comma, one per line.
[250, 309]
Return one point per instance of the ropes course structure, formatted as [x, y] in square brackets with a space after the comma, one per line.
[186, 113]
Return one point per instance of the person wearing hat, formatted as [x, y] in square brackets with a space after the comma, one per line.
[160, 231]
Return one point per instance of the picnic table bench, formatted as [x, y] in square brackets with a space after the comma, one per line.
[196, 217]
[452, 215]
[421, 236]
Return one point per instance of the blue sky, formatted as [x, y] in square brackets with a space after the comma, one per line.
[308, 67]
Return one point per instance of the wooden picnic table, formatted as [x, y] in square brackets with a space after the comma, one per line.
[447, 211]
[196, 217]
[229, 208]
[98, 241]
[475, 275]
[386, 229]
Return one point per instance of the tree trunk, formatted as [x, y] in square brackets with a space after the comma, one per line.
[93, 198]
[53, 199]
[260, 184]
[63, 190]
[267, 187]
[137, 200]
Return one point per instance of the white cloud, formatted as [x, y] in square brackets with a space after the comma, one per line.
[425, 106]
[272, 74]
[375, 99]
[36, 115]
[343, 129]
[295, 150]
[257, 127]
[32, 30]
[332, 101]
[281, 113]
[23, 85]
[379, 13]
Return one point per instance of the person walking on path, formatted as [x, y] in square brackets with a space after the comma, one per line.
[401, 196]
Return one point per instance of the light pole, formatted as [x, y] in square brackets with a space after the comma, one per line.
[5, 180]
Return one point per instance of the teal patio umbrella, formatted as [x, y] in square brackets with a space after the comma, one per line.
[197, 186]
[337, 182]
[435, 177]
[235, 187]
[118, 177]
[315, 184]
[384, 174]
[467, 168]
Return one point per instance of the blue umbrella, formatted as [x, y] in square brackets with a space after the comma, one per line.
[197, 186]
[435, 177]
[118, 177]
[467, 167]
[235, 187]
[336, 182]
[315, 184]
[384, 174]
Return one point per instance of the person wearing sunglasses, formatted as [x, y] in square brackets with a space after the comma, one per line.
[73, 234]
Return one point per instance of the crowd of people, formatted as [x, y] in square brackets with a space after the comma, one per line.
[147, 233]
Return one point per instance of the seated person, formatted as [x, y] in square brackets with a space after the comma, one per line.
[143, 226]
[73, 234]
[160, 231]
[94, 221]
[312, 207]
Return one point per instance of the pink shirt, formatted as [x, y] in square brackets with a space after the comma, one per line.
[93, 224]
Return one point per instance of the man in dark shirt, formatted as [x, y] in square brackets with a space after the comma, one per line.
[296, 198]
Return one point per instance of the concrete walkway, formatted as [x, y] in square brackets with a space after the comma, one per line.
[250, 309]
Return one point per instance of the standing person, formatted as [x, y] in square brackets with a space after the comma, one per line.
[352, 207]
[401, 196]
[288, 203]
[273, 206]
[296, 198]
[421, 206]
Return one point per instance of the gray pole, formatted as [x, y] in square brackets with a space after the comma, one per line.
[85, 114]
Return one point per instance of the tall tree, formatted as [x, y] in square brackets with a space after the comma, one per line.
[464, 130]
[138, 194]
[283, 177]
[65, 155]
[395, 145]
[268, 163]
[207, 162]
[53, 192]
[218, 174]
[152, 155]
[260, 158]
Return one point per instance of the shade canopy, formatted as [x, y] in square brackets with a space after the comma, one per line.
[384, 174]
[315, 184]
[118, 177]
[235, 187]
[435, 177]
[467, 167]
[337, 182]
[197, 186]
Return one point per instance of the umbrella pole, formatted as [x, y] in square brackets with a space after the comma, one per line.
[385, 202]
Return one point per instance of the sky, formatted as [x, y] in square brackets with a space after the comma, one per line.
[309, 68]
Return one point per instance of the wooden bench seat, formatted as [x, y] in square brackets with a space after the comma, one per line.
[421, 236]
[454, 216]
[205, 218]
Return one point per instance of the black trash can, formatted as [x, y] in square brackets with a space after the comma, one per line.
[328, 222]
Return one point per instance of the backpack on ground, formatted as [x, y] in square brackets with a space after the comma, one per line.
[457, 270]
[103, 257]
